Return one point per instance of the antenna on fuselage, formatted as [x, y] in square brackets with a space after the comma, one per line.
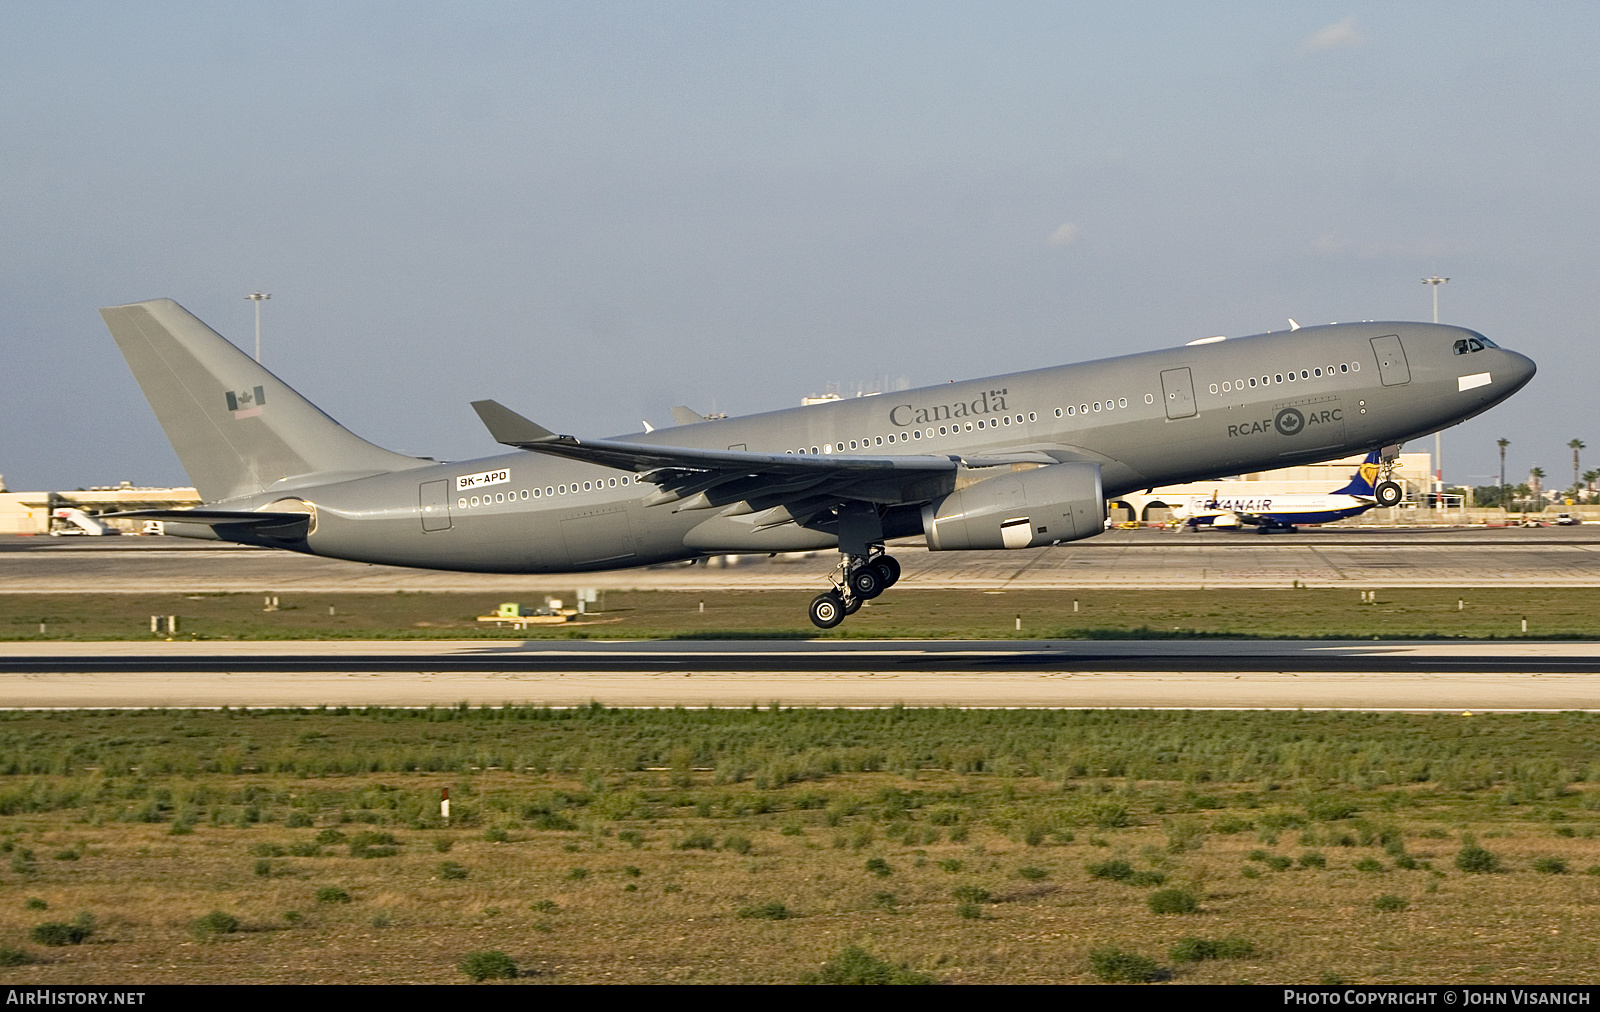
[1293, 325]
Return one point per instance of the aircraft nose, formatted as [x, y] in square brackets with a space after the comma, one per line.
[1519, 369]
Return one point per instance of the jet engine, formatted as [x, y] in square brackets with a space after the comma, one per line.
[1025, 509]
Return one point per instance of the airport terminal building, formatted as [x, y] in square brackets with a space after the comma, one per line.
[51, 512]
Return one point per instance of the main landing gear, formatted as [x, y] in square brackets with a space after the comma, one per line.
[1388, 491]
[858, 579]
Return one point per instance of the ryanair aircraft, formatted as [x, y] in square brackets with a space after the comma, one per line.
[273, 470]
[1267, 512]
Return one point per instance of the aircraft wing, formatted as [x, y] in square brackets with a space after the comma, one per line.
[700, 478]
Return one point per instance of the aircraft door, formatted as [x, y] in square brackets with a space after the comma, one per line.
[1178, 388]
[433, 502]
[1392, 366]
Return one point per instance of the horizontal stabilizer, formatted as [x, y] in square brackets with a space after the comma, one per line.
[684, 415]
[211, 518]
[508, 427]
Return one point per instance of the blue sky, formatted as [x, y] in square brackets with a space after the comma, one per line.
[593, 212]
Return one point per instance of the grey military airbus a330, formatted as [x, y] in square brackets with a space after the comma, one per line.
[275, 471]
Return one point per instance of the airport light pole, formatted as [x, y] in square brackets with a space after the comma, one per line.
[260, 297]
[1438, 446]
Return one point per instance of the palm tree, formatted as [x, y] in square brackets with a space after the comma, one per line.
[1534, 477]
[1576, 444]
[1589, 478]
[1503, 444]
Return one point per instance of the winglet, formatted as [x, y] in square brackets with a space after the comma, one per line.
[510, 428]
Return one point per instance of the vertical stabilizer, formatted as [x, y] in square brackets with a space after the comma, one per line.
[236, 427]
[1365, 480]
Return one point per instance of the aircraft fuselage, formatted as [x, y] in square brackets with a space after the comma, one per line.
[1156, 418]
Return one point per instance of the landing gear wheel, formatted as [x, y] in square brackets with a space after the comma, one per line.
[1387, 493]
[866, 582]
[854, 606]
[827, 610]
[890, 569]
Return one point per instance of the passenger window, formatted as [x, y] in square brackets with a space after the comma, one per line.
[536, 493]
[1344, 368]
[624, 480]
[1032, 416]
[1058, 412]
[549, 491]
[461, 503]
[1007, 419]
[1122, 402]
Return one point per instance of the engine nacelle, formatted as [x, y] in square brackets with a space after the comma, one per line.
[1025, 509]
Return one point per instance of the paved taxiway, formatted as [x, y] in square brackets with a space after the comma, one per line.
[1326, 557]
[1149, 674]
[1199, 674]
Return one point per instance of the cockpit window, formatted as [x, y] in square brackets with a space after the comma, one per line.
[1461, 347]
[1468, 345]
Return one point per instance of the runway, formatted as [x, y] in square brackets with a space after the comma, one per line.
[1451, 675]
[1148, 558]
[1137, 674]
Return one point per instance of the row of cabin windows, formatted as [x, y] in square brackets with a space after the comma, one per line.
[907, 435]
[1097, 406]
[1228, 386]
[549, 490]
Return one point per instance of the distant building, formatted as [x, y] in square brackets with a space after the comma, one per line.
[34, 512]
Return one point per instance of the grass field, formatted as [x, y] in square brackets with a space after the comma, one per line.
[1400, 613]
[598, 845]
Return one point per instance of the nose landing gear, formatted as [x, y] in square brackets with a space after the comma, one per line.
[857, 580]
